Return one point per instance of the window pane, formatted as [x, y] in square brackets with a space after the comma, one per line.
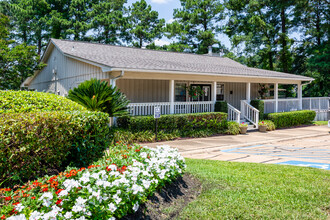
[180, 92]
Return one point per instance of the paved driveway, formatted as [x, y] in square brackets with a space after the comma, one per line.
[306, 146]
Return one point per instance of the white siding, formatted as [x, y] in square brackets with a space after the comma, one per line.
[142, 90]
[70, 73]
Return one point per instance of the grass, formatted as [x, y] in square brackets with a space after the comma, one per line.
[320, 122]
[234, 190]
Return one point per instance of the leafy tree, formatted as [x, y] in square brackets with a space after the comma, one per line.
[17, 61]
[99, 96]
[145, 26]
[196, 24]
[108, 21]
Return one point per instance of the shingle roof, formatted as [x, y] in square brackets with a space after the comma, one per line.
[144, 59]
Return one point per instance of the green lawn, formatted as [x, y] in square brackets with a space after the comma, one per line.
[320, 122]
[234, 190]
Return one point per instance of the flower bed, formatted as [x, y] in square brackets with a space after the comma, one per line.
[108, 189]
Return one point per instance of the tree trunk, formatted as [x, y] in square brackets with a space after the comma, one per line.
[318, 21]
[270, 60]
[283, 41]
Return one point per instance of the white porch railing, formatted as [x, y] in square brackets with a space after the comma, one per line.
[233, 114]
[148, 108]
[179, 107]
[193, 107]
[318, 104]
[250, 113]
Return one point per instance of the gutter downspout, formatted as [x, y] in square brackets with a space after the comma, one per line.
[113, 80]
[113, 83]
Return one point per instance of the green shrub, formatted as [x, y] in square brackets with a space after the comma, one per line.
[232, 128]
[221, 106]
[28, 101]
[270, 125]
[99, 96]
[260, 105]
[294, 118]
[34, 144]
[212, 120]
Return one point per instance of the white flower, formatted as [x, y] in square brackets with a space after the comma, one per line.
[81, 218]
[68, 215]
[136, 207]
[136, 189]
[48, 195]
[69, 184]
[77, 208]
[112, 207]
[35, 215]
[117, 199]
[143, 155]
[112, 218]
[63, 193]
[17, 217]
[113, 167]
[84, 179]
[19, 207]
[80, 201]
[95, 175]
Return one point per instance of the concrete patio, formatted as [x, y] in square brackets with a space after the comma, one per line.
[302, 145]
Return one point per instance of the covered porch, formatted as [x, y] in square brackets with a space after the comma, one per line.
[147, 90]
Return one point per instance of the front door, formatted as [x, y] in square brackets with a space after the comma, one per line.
[206, 96]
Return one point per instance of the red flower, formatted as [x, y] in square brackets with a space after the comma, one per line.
[73, 172]
[3, 217]
[45, 189]
[137, 150]
[16, 203]
[7, 198]
[33, 197]
[68, 175]
[54, 184]
[59, 201]
[58, 191]
[124, 156]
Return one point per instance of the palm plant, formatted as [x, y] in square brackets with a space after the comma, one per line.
[99, 96]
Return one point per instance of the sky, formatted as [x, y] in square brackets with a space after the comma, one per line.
[165, 10]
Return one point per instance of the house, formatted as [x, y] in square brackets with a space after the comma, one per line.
[158, 78]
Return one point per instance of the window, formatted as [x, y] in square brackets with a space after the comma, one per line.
[220, 92]
[180, 92]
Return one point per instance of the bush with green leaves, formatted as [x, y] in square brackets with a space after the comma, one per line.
[290, 119]
[29, 101]
[212, 120]
[221, 106]
[270, 125]
[232, 128]
[34, 144]
[260, 105]
[99, 96]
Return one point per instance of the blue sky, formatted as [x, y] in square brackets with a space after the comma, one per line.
[165, 10]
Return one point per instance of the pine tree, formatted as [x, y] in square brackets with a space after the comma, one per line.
[196, 24]
[145, 26]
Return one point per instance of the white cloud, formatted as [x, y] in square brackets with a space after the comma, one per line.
[170, 21]
[160, 1]
[161, 42]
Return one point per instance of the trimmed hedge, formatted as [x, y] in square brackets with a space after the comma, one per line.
[29, 101]
[221, 106]
[260, 105]
[216, 120]
[34, 144]
[290, 119]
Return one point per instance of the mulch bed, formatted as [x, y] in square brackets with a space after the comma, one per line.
[168, 203]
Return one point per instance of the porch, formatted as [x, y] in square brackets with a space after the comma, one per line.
[170, 96]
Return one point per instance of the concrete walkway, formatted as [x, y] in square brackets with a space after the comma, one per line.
[309, 144]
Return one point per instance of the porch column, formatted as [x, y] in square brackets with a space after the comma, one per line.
[171, 96]
[214, 93]
[276, 96]
[300, 96]
[248, 92]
